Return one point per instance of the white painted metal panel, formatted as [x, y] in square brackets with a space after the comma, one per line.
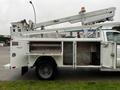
[60, 39]
[20, 58]
[118, 55]
[108, 55]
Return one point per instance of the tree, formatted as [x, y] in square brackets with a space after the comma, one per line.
[116, 28]
[4, 39]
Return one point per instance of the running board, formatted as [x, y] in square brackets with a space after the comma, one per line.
[110, 69]
[89, 66]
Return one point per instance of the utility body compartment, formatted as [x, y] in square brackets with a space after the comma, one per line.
[66, 52]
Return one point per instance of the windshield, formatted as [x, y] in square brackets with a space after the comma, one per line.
[113, 36]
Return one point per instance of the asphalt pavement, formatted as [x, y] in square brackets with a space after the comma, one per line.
[63, 74]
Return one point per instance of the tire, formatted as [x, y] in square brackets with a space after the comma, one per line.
[46, 71]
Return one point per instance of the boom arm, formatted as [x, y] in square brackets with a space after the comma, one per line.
[86, 18]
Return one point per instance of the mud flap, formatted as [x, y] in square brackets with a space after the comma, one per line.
[24, 70]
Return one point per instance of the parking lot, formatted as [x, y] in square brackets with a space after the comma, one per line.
[63, 74]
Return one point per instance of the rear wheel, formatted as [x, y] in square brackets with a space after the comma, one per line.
[46, 71]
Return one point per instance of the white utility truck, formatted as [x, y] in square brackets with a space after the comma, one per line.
[91, 45]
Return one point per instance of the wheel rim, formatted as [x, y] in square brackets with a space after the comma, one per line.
[45, 71]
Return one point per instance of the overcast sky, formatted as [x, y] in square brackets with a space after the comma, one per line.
[15, 10]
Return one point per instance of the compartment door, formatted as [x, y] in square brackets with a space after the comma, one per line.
[108, 55]
[18, 52]
[68, 53]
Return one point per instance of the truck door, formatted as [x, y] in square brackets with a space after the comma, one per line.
[108, 55]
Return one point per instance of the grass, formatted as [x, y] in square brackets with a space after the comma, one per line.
[59, 85]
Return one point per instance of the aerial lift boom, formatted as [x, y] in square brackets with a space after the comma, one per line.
[86, 18]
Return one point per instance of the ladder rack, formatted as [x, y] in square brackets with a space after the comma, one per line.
[72, 29]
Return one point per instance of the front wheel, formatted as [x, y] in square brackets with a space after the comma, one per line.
[46, 71]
